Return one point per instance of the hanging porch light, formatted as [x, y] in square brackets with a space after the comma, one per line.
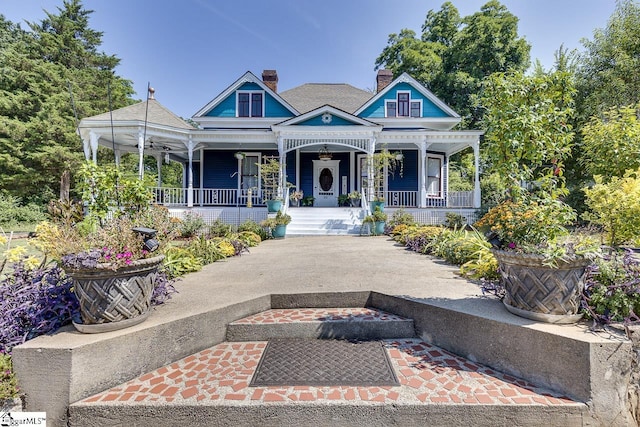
[324, 153]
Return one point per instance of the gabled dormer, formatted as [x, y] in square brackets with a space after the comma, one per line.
[405, 103]
[249, 103]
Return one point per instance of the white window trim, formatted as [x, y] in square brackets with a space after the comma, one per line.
[238, 92]
[386, 108]
[441, 157]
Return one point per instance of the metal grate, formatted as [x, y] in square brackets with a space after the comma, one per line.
[310, 362]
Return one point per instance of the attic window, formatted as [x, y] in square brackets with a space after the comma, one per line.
[250, 104]
[403, 106]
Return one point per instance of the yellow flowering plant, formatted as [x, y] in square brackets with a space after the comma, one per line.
[527, 224]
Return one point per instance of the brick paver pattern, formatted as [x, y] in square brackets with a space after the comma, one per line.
[427, 374]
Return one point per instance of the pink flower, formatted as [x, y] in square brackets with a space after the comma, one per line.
[512, 245]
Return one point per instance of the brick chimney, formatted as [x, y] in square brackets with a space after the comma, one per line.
[383, 79]
[270, 78]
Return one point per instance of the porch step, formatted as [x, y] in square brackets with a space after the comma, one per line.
[212, 388]
[324, 221]
[323, 323]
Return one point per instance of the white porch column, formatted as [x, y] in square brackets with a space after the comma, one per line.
[201, 176]
[298, 169]
[282, 185]
[370, 171]
[93, 137]
[352, 170]
[140, 154]
[190, 173]
[422, 167]
[477, 199]
[159, 166]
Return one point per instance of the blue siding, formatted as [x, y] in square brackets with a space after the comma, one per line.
[429, 109]
[218, 168]
[227, 107]
[335, 121]
[409, 179]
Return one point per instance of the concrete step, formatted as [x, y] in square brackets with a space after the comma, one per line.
[323, 323]
[211, 388]
[324, 221]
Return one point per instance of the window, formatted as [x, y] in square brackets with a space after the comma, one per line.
[415, 108]
[391, 108]
[434, 176]
[250, 171]
[250, 104]
[403, 106]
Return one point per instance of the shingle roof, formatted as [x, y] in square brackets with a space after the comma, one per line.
[310, 96]
[157, 114]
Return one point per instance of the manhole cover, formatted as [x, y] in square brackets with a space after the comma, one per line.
[291, 362]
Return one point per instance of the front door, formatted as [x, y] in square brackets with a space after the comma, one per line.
[326, 179]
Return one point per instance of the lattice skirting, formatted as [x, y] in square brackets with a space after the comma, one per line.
[107, 295]
[538, 292]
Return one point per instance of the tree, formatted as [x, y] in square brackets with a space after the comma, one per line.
[611, 142]
[38, 138]
[528, 127]
[608, 73]
[454, 54]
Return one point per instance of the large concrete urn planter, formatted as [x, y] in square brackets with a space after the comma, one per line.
[112, 299]
[539, 292]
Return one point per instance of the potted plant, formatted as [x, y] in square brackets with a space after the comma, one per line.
[343, 200]
[113, 262]
[277, 224]
[541, 264]
[270, 177]
[295, 197]
[376, 221]
[354, 198]
[308, 200]
[528, 137]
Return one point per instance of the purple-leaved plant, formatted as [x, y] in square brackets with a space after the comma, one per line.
[612, 289]
[34, 302]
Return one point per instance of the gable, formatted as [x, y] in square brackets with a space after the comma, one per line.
[227, 106]
[428, 106]
[327, 119]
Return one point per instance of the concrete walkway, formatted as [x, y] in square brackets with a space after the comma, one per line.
[449, 311]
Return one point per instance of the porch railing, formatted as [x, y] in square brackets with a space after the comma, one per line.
[234, 197]
[206, 197]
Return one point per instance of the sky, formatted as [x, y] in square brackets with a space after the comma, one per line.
[192, 50]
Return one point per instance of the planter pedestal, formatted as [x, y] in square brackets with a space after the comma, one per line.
[114, 299]
[538, 292]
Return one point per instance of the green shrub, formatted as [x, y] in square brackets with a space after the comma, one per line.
[249, 238]
[180, 261]
[455, 221]
[616, 207]
[8, 383]
[12, 213]
[206, 250]
[254, 227]
[401, 217]
[458, 246]
[220, 228]
[191, 225]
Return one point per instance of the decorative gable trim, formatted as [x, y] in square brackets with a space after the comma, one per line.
[248, 77]
[326, 111]
[406, 78]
